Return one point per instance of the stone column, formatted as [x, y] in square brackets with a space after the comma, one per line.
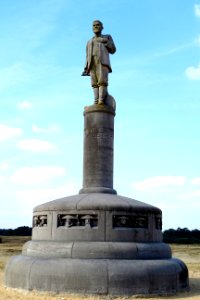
[98, 149]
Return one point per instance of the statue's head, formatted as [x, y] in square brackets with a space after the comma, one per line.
[97, 26]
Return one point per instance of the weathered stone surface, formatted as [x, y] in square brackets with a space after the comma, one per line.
[97, 242]
[98, 149]
[105, 209]
[97, 250]
[17, 271]
[98, 276]
[95, 201]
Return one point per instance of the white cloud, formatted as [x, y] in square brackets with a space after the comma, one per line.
[25, 105]
[36, 175]
[35, 145]
[51, 128]
[2, 179]
[193, 73]
[4, 166]
[194, 194]
[7, 132]
[195, 181]
[191, 197]
[197, 10]
[3, 187]
[159, 181]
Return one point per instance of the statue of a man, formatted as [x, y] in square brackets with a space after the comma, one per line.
[98, 62]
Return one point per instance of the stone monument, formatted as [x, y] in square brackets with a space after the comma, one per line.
[97, 241]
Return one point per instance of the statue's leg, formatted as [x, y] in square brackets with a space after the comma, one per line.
[96, 94]
[103, 83]
[94, 84]
[102, 94]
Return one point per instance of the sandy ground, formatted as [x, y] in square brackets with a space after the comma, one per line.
[189, 254]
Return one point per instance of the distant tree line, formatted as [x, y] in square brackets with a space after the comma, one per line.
[20, 231]
[181, 236]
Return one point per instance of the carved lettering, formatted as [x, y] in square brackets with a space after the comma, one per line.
[103, 136]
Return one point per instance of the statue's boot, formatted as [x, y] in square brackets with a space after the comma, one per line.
[96, 94]
[102, 94]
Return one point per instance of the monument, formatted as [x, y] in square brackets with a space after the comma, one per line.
[97, 242]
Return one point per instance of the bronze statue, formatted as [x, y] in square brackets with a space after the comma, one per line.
[98, 62]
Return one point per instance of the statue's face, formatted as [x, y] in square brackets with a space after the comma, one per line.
[97, 27]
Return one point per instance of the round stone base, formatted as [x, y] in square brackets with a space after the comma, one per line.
[96, 250]
[97, 276]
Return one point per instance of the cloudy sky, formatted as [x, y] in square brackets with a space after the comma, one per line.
[156, 84]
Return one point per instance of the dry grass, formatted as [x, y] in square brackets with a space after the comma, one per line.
[190, 254]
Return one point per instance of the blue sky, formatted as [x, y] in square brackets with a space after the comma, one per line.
[155, 82]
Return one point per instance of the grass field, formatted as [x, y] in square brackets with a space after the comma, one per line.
[190, 254]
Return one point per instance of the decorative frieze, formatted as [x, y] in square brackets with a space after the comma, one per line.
[40, 221]
[158, 222]
[130, 221]
[74, 220]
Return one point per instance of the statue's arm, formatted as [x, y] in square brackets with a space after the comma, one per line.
[85, 70]
[110, 45]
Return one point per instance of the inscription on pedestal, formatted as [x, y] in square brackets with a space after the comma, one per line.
[103, 136]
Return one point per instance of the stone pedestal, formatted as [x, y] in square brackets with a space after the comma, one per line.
[97, 241]
[98, 149]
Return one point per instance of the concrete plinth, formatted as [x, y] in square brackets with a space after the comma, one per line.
[98, 276]
[97, 242]
[100, 244]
